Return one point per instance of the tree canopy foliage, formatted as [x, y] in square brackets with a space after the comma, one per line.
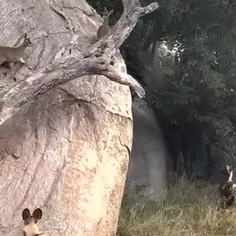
[201, 83]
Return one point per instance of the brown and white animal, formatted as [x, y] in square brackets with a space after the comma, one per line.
[227, 189]
[104, 28]
[30, 222]
[14, 54]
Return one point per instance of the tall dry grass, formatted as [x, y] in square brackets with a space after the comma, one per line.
[189, 210]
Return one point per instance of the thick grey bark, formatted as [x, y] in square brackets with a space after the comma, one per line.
[96, 59]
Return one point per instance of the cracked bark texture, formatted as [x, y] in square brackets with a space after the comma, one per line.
[66, 152]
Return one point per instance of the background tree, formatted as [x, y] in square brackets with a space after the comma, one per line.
[194, 96]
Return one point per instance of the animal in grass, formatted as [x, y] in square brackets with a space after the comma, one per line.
[227, 189]
[31, 222]
[14, 54]
[104, 28]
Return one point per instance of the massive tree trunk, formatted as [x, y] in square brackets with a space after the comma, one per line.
[66, 150]
[150, 162]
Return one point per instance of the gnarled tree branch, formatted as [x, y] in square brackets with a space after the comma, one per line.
[98, 59]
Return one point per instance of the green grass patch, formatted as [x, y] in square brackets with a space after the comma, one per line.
[190, 210]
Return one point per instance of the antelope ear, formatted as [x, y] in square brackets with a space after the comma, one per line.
[37, 214]
[26, 214]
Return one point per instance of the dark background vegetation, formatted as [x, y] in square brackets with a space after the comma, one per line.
[194, 97]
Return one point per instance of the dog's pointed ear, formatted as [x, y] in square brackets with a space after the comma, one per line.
[37, 214]
[26, 214]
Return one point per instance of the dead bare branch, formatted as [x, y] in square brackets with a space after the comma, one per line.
[98, 59]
